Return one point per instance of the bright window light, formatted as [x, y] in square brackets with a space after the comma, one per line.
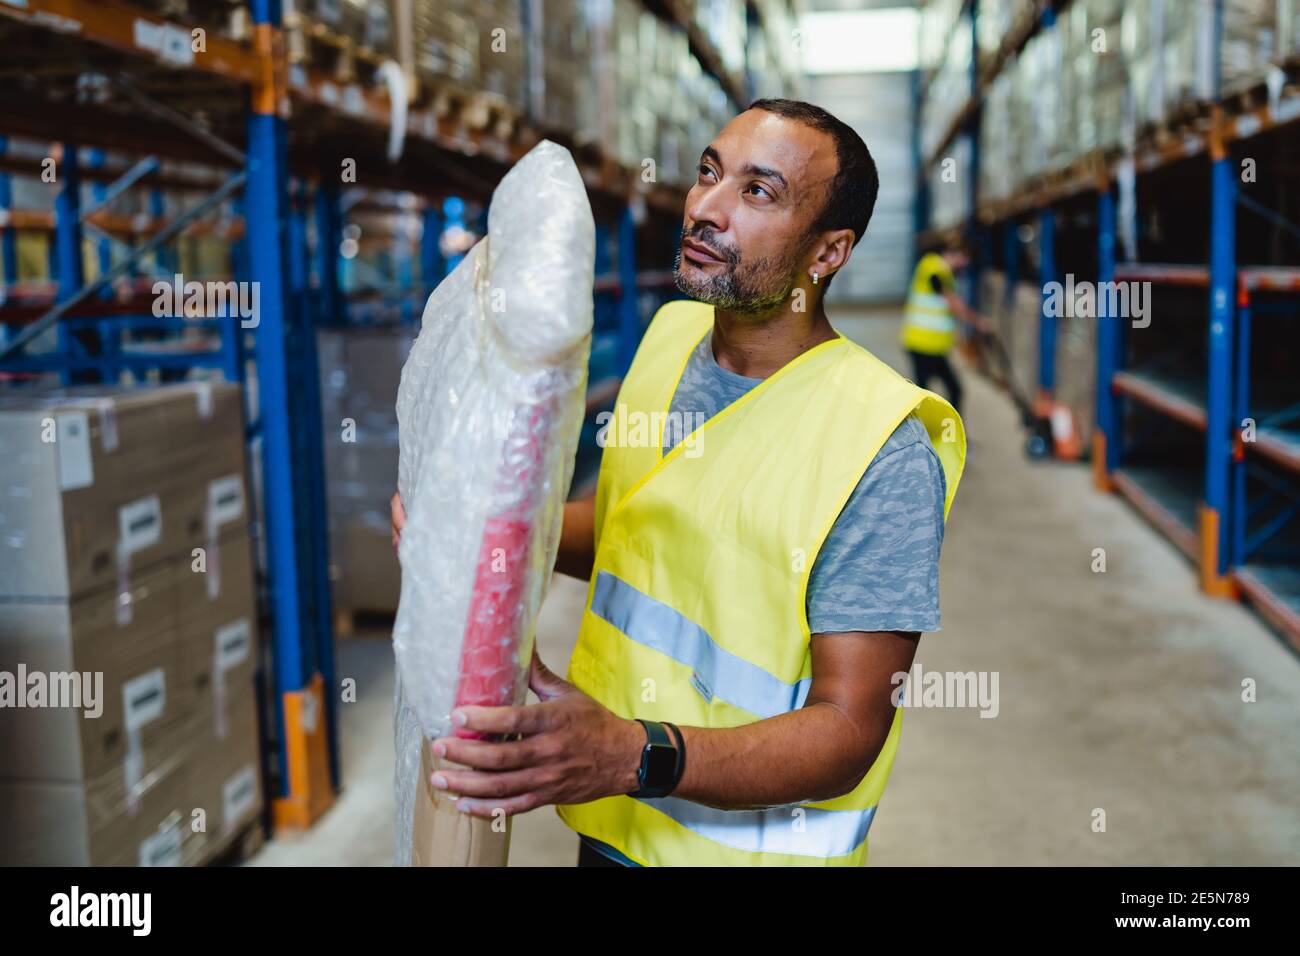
[860, 41]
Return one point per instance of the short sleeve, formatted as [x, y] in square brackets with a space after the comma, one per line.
[878, 569]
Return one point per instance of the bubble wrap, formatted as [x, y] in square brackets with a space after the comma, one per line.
[489, 408]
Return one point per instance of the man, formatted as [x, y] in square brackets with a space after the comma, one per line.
[931, 315]
[751, 603]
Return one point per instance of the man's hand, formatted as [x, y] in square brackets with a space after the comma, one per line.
[573, 750]
[397, 514]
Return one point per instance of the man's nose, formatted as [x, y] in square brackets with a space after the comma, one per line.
[708, 208]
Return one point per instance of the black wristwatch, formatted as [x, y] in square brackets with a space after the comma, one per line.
[662, 762]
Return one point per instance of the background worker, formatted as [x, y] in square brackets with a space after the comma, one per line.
[931, 315]
[752, 607]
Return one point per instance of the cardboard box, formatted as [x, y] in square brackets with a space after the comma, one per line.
[217, 627]
[365, 573]
[131, 645]
[89, 823]
[97, 481]
[226, 780]
[443, 836]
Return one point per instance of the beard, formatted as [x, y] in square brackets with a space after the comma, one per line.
[750, 288]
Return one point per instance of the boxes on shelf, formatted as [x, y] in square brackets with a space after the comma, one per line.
[360, 370]
[477, 46]
[1018, 330]
[555, 55]
[227, 18]
[500, 29]
[446, 40]
[227, 783]
[1253, 39]
[949, 195]
[948, 89]
[1165, 46]
[103, 480]
[997, 20]
[125, 547]
[89, 823]
[1076, 372]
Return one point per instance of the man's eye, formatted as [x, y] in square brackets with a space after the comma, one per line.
[704, 170]
[762, 189]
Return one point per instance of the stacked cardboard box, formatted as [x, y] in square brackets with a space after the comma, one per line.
[477, 45]
[1108, 70]
[556, 54]
[446, 40]
[360, 370]
[949, 195]
[1252, 40]
[1018, 329]
[501, 49]
[949, 88]
[1076, 371]
[782, 48]
[227, 18]
[997, 19]
[1101, 76]
[125, 559]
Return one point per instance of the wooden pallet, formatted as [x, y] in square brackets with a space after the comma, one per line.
[237, 847]
[316, 47]
[368, 622]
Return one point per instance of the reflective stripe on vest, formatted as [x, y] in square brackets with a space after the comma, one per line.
[697, 608]
[795, 830]
[928, 323]
[928, 302]
[715, 671]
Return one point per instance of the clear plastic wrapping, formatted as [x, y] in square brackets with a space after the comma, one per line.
[489, 408]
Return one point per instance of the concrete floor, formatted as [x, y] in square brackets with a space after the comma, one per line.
[1120, 691]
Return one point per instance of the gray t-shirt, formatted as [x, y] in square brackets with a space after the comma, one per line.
[878, 569]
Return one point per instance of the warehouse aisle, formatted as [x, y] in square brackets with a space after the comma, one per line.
[1118, 691]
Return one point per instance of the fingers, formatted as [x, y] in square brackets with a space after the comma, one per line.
[491, 786]
[544, 682]
[503, 720]
[510, 806]
[491, 755]
[398, 516]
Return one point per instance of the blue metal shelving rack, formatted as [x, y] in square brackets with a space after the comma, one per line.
[1227, 530]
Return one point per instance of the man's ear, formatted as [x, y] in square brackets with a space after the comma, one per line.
[833, 251]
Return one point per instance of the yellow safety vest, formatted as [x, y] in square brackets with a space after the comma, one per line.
[696, 608]
[928, 323]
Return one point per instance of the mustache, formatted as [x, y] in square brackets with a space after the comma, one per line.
[707, 237]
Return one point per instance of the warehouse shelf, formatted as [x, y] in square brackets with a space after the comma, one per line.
[452, 123]
[1012, 44]
[704, 50]
[1180, 397]
[1094, 171]
[1206, 383]
[1197, 277]
[1275, 592]
[1168, 498]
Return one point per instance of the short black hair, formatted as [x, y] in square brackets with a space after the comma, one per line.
[851, 197]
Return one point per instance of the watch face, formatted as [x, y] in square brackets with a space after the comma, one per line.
[660, 764]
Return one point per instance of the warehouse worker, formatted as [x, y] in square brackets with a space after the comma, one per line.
[753, 604]
[930, 318]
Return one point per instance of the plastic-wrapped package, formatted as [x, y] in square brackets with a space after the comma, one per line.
[489, 408]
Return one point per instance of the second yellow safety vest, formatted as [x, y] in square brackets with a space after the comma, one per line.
[928, 323]
[696, 611]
